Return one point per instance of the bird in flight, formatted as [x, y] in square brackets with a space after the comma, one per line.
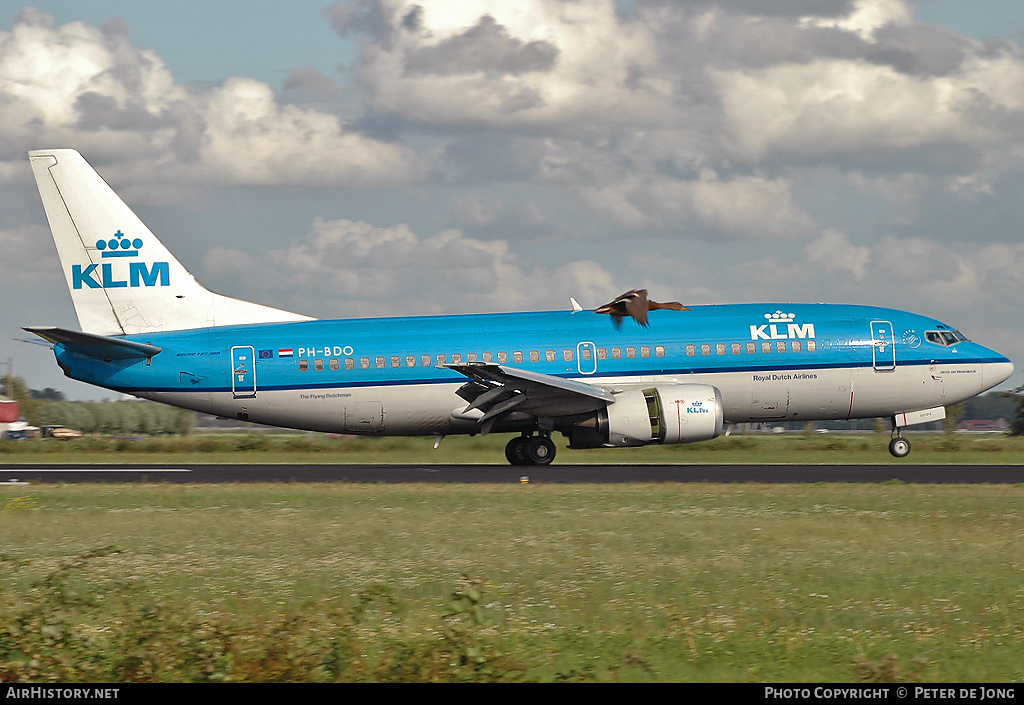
[634, 303]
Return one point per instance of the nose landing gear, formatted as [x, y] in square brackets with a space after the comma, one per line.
[530, 450]
[899, 446]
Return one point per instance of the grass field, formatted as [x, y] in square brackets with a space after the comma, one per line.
[632, 582]
[300, 448]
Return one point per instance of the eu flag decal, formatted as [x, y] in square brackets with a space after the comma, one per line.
[266, 354]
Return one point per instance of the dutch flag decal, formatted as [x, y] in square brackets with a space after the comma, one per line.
[284, 352]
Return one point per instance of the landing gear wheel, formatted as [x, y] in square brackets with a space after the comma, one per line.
[899, 447]
[514, 450]
[539, 450]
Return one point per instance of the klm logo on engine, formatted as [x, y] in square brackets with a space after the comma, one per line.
[102, 276]
[781, 326]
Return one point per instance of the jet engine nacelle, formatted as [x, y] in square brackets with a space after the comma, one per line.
[678, 413]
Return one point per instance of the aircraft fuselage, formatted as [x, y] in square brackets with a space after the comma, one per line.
[791, 362]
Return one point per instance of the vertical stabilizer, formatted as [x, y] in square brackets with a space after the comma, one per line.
[121, 277]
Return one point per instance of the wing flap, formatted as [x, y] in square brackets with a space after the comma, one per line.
[100, 347]
[497, 390]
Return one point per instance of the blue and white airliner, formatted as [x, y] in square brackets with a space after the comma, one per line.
[149, 329]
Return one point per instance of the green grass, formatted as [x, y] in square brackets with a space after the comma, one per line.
[300, 448]
[632, 582]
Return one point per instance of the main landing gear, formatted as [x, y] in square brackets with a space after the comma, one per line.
[530, 450]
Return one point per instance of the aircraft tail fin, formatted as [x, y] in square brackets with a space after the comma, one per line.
[121, 277]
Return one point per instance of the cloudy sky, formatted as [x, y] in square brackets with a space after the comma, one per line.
[383, 157]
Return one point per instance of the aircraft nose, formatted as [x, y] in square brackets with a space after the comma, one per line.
[994, 373]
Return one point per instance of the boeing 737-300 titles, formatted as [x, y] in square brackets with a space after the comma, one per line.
[677, 375]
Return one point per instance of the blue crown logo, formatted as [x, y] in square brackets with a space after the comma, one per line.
[780, 317]
[119, 246]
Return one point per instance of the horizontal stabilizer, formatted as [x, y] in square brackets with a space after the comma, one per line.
[100, 347]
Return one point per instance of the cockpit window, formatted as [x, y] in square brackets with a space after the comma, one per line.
[945, 338]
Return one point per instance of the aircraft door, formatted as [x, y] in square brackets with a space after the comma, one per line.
[243, 371]
[586, 358]
[883, 347]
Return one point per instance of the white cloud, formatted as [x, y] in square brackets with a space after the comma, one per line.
[834, 252]
[499, 63]
[80, 86]
[829, 107]
[76, 84]
[867, 17]
[355, 269]
[747, 207]
[251, 139]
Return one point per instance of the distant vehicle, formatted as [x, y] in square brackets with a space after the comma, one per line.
[18, 431]
[64, 434]
[149, 329]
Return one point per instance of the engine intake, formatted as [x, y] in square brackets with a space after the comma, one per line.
[678, 413]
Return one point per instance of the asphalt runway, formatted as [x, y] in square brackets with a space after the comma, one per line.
[504, 474]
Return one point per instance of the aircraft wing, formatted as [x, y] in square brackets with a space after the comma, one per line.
[497, 390]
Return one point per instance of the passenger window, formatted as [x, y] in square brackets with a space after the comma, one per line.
[350, 364]
[410, 361]
[335, 364]
[517, 356]
[380, 363]
[766, 347]
[456, 358]
[645, 351]
[691, 350]
[550, 355]
[781, 346]
[441, 359]
[567, 354]
[303, 365]
[720, 348]
[796, 346]
[364, 362]
[318, 365]
[736, 349]
[503, 357]
[705, 349]
[811, 346]
[659, 350]
[584, 353]
[396, 361]
[602, 353]
[630, 352]
[534, 356]
[616, 353]
[751, 348]
[425, 360]
[471, 357]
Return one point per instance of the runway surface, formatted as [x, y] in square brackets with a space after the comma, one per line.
[500, 474]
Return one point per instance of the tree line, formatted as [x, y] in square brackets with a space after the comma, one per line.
[49, 407]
